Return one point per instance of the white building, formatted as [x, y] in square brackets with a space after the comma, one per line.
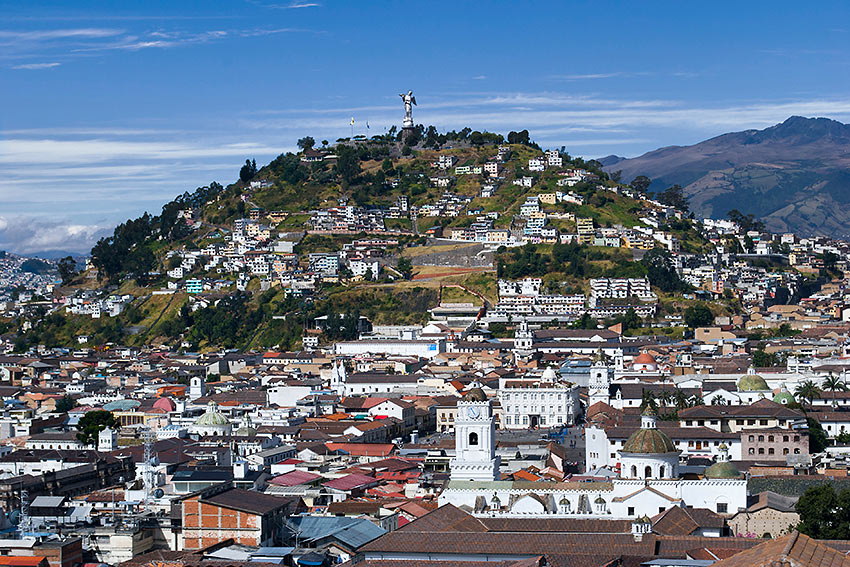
[544, 402]
[653, 488]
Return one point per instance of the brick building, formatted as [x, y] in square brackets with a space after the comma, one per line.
[248, 517]
[773, 444]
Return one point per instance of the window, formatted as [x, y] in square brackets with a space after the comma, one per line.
[722, 507]
[634, 473]
[752, 438]
[473, 438]
[770, 438]
[630, 511]
[761, 450]
[508, 420]
[661, 471]
[763, 421]
[796, 438]
[784, 438]
[752, 451]
[785, 451]
[647, 472]
[761, 438]
[796, 451]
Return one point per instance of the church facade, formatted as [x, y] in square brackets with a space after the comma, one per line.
[648, 482]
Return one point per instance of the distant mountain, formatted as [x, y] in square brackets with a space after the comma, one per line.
[795, 176]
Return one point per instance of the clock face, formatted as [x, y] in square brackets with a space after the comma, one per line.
[473, 412]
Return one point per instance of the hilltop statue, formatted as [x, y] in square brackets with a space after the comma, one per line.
[409, 101]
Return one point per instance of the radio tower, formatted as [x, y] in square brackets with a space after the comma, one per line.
[148, 436]
[24, 522]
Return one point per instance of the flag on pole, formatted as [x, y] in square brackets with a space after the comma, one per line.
[352, 121]
[367, 124]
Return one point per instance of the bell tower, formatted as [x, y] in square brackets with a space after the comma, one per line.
[475, 439]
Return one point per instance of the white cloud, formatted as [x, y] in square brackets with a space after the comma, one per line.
[26, 235]
[36, 66]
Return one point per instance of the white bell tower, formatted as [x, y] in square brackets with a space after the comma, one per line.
[599, 383]
[475, 440]
[197, 388]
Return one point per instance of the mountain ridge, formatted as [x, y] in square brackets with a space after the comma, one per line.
[794, 175]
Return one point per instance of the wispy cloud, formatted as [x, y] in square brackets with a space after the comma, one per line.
[294, 5]
[36, 66]
[45, 35]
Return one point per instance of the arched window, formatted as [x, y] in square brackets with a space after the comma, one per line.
[752, 451]
[634, 471]
[770, 450]
[473, 438]
[770, 438]
[661, 471]
[647, 472]
[761, 450]
[761, 438]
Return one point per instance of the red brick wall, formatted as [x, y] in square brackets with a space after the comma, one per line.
[206, 524]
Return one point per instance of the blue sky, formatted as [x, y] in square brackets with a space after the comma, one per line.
[112, 108]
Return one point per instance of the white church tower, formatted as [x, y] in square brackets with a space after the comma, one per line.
[338, 377]
[475, 439]
[197, 388]
[599, 383]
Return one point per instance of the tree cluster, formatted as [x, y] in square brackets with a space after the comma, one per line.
[824, 512]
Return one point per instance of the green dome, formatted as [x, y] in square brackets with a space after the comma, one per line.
[723, 469]
[783, 398]
[212, 417]
[752, 383]
[649, 441]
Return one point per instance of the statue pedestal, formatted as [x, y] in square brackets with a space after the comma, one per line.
[407, 131]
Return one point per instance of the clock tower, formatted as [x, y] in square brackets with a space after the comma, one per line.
[475, 439]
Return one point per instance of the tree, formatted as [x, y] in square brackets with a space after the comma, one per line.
[674, 197]
[248, 171]
[307, 143]
[698, 315]
[641, 184]
[66, 404]
[347, 164]
[745, 222]
[808, 391]
[648, 401]
[405, 267]
[67, 269]
[91, 424]
[818, 439]
[834, 384]
[824, 513]
[660, 270]
[764, 359]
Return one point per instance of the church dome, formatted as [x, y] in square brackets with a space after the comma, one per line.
[246, 429]
[723, 469]
[649, 441]
[475, 395]
[645, 358]
[783, 396]
[549, 375]
[752, 383]
[165, 404]
[212, 417]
